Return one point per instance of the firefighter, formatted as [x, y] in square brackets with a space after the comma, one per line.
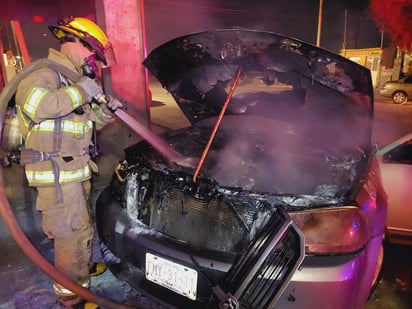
[57, 110]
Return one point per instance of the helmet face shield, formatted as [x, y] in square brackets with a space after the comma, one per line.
[109, 56]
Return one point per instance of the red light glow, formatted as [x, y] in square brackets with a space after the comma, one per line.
[37, 19]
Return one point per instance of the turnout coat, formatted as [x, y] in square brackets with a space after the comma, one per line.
[57, 122]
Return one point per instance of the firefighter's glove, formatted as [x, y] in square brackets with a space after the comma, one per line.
[106, 113]
[112, 103]
[92, 89]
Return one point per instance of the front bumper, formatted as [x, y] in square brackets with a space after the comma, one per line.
[326, 281]
[130, 240]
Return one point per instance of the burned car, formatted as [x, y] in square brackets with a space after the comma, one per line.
[275, 198]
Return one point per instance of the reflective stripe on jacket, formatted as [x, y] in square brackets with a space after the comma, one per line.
[37, 94]
[47, 176]
[67, 126]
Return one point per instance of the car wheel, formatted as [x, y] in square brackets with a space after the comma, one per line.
[399, 97]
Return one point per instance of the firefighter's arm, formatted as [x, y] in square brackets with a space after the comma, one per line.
[41, 97]
[90, 87]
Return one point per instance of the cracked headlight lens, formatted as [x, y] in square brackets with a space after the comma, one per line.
[332, 230]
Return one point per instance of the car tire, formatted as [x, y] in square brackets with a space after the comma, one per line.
[399, 97]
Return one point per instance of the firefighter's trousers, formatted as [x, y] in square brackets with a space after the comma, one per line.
[69, 225]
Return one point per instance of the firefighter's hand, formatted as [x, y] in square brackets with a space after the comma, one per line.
[112, 103]
[92, 89]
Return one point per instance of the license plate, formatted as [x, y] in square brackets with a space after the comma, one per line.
[175, 277]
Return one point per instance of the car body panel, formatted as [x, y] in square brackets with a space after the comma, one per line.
[348, 289]
[294, 145]
[395, 162]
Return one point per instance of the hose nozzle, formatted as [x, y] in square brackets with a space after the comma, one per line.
[100, 98]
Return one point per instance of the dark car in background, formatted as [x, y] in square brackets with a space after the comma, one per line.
[399, 90]
[276, 200]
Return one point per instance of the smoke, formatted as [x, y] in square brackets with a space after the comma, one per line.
[293, 148]
[166, 20]
[395, 17]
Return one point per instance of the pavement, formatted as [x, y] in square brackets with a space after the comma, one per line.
[24, 286]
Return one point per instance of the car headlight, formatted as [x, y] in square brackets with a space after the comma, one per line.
[332, 230]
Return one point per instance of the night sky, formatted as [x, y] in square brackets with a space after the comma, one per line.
[296, 18]
[166, 19]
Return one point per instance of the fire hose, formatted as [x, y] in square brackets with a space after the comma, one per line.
[8, 216]
[16, 231]
[20, 237]
[158, 143]
[24, 243]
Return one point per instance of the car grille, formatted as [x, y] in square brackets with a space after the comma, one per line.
[261, 274]
[210, 224]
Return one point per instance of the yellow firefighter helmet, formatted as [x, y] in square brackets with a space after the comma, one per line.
[90, 34]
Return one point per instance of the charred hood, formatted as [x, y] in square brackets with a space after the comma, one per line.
[296, 110]
[275, 71]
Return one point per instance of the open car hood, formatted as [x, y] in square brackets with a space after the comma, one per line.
[277, 73]
[297, 119]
